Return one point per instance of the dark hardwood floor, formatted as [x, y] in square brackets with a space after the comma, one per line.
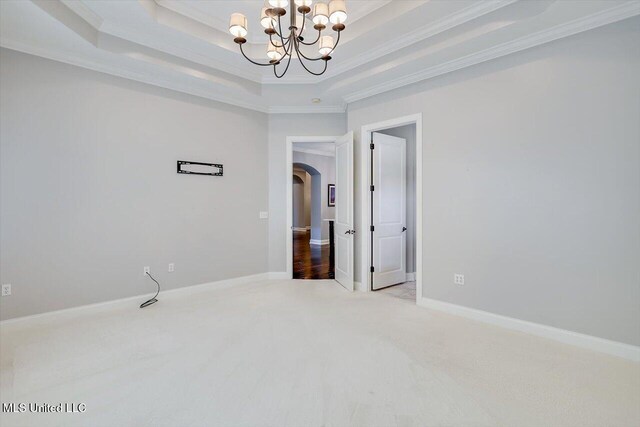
[310, 262]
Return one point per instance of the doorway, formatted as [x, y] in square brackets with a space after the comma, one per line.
[391, 155]
[313, 256]
[336, 229]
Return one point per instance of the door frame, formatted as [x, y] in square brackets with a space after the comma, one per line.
[289, 199]
[365, 196]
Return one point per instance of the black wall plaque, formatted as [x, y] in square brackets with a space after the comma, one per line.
[197, 168]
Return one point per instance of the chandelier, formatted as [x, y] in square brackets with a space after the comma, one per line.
[281, 47]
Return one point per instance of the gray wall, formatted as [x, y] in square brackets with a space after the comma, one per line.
[531, 182]
[326, 166]
[408, 132]
[302, 218]
[90, 195]
[281, 126]
[298, 201]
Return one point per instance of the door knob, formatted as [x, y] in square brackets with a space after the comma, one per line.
[350, 232]
[404, 229]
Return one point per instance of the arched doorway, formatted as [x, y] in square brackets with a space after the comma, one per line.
[311, 258]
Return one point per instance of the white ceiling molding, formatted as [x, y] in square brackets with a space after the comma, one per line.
[609, 16]
[124, 39]
[307, 109]
[463, 16]
[222, 25]
[84, 12]
[71, 59]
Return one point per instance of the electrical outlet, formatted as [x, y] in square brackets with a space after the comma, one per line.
[172, 267]
[6, 290]
[458, 279]
[146, 270]
[264, 215]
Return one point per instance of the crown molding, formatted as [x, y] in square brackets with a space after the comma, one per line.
[609, 16]
[307, 109]
[460, 17]
[71, 59]
[84, 12]
[136, 37]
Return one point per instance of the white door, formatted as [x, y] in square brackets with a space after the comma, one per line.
[343, 227]
[389, 211]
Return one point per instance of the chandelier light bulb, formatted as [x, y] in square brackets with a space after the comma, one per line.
[320, 14]
[266, 20]
[326, 45]
[238, 25]
[286, 42]
[275, 52]
[279, 3]
[337, 11]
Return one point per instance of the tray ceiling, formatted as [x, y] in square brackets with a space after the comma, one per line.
[185, 46]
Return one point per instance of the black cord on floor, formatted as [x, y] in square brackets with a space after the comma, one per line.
[152, 300]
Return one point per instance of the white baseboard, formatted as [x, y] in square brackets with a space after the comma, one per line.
[411, 277]
[357, 286]
[318, 242]
[135, 300]
[278, 275]
[308, 228]
[626, 351]
[300, 229]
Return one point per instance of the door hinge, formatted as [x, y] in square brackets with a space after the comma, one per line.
[371, 146]
[372, 269]
[372, 188]
[372, 228]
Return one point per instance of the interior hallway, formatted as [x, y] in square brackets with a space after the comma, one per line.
[310, 261]
[284, 354]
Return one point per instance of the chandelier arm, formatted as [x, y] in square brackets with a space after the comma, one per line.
[305, 67]
[314, 42]
[300, 54]
[304, 15]
[280, 34]
[275, 45]
[285, 69]
[288, 49]
[251, 60]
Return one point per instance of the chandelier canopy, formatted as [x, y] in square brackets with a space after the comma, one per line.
[282, 47]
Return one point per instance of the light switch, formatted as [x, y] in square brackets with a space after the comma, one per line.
[264, 215]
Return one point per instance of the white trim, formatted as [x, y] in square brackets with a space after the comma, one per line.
[307, 109]
[618, 13]
[357, 286]
[182, 87]
[278, 275]
[411, 277]
[474, 11]
[598, 19]
[289, 188]
[318, 242]
[365, 173]
[589, 342]
[150, 79]
[300, 229]
[312, 151]
[134, 301]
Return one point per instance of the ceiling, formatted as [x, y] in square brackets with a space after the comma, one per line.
[184, 45]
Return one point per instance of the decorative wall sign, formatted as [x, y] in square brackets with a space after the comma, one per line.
[197, 168]
[331, 196]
